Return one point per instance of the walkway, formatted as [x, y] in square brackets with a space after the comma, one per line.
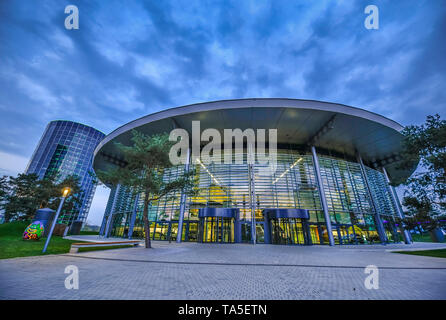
[228, 271]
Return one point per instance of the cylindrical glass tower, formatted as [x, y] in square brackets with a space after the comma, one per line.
[67, 148]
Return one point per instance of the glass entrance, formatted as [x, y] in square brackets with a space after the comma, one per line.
[247, 235]
[260, 232]
[246, 232]
[287, 231]
[216, 229]
[160, 231]
[191, 231]
[316, 234]
[347, 234]
[172, 235]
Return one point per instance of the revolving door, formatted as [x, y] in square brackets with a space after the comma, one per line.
[288, 231]
[219, 225]
[287, 226]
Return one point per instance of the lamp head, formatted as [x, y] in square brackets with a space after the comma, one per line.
[65, 192]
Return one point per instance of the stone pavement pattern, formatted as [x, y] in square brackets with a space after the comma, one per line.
[228, 271]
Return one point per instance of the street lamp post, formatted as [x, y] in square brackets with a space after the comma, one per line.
[65, 193]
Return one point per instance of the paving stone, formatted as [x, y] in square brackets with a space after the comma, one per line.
[228, 271]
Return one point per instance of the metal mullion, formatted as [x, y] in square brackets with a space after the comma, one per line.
[336, 188]
[354, 189]
[212, 229]
[296, 232]
[205, 226]
[378, 222]
[288, 231]
[220, 228]
[357, 199]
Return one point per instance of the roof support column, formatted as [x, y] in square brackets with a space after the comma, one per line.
[112, 211]
[399, 210]
[322, 196]
[252, 192]
[102, 229]
[379, 223]
[105, 217]
[183, 201]
[133, 218]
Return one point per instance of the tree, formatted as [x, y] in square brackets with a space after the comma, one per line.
[4, 188]
[73, 201]
[425, 197]
[146, 162]
[25, 194]
[47, 189]
[4, 191]
[22, 200]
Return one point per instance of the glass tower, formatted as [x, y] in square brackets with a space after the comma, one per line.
[67, 147]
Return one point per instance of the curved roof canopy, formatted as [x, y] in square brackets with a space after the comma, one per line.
[330, 126]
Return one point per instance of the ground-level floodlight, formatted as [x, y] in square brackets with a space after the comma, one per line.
[65, 193]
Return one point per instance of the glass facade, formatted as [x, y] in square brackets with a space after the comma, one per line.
[352, 206]
[67, 147]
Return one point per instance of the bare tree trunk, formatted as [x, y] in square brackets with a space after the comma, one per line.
[146, 221]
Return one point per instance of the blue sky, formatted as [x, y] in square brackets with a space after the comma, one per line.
[132, 58]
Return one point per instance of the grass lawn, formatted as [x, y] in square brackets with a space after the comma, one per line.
[12, 245]
[104, 248]
[440, 253]
[425, 237]
[94, 233]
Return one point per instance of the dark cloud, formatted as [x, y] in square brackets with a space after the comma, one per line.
[132, 58]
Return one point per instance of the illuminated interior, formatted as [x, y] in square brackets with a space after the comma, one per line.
[293, 185]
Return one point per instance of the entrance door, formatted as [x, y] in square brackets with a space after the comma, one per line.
[247, 235]
[260, 232]
[161, 231]
[347, 234]
[287, 231]
[192, 231]
[316, 234]
[172, 235]
[216, 229]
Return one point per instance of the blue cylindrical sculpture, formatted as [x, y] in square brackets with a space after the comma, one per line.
[44, 215]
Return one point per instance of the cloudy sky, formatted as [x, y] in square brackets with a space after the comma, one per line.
[132, 58]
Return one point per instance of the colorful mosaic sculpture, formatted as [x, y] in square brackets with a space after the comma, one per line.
[34, 231]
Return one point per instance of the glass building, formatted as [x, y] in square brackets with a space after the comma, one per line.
[331, 184]
[66, 148]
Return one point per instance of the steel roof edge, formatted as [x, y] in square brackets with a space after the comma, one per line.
[248, 103]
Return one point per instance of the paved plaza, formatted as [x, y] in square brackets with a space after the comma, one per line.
[228, 271]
